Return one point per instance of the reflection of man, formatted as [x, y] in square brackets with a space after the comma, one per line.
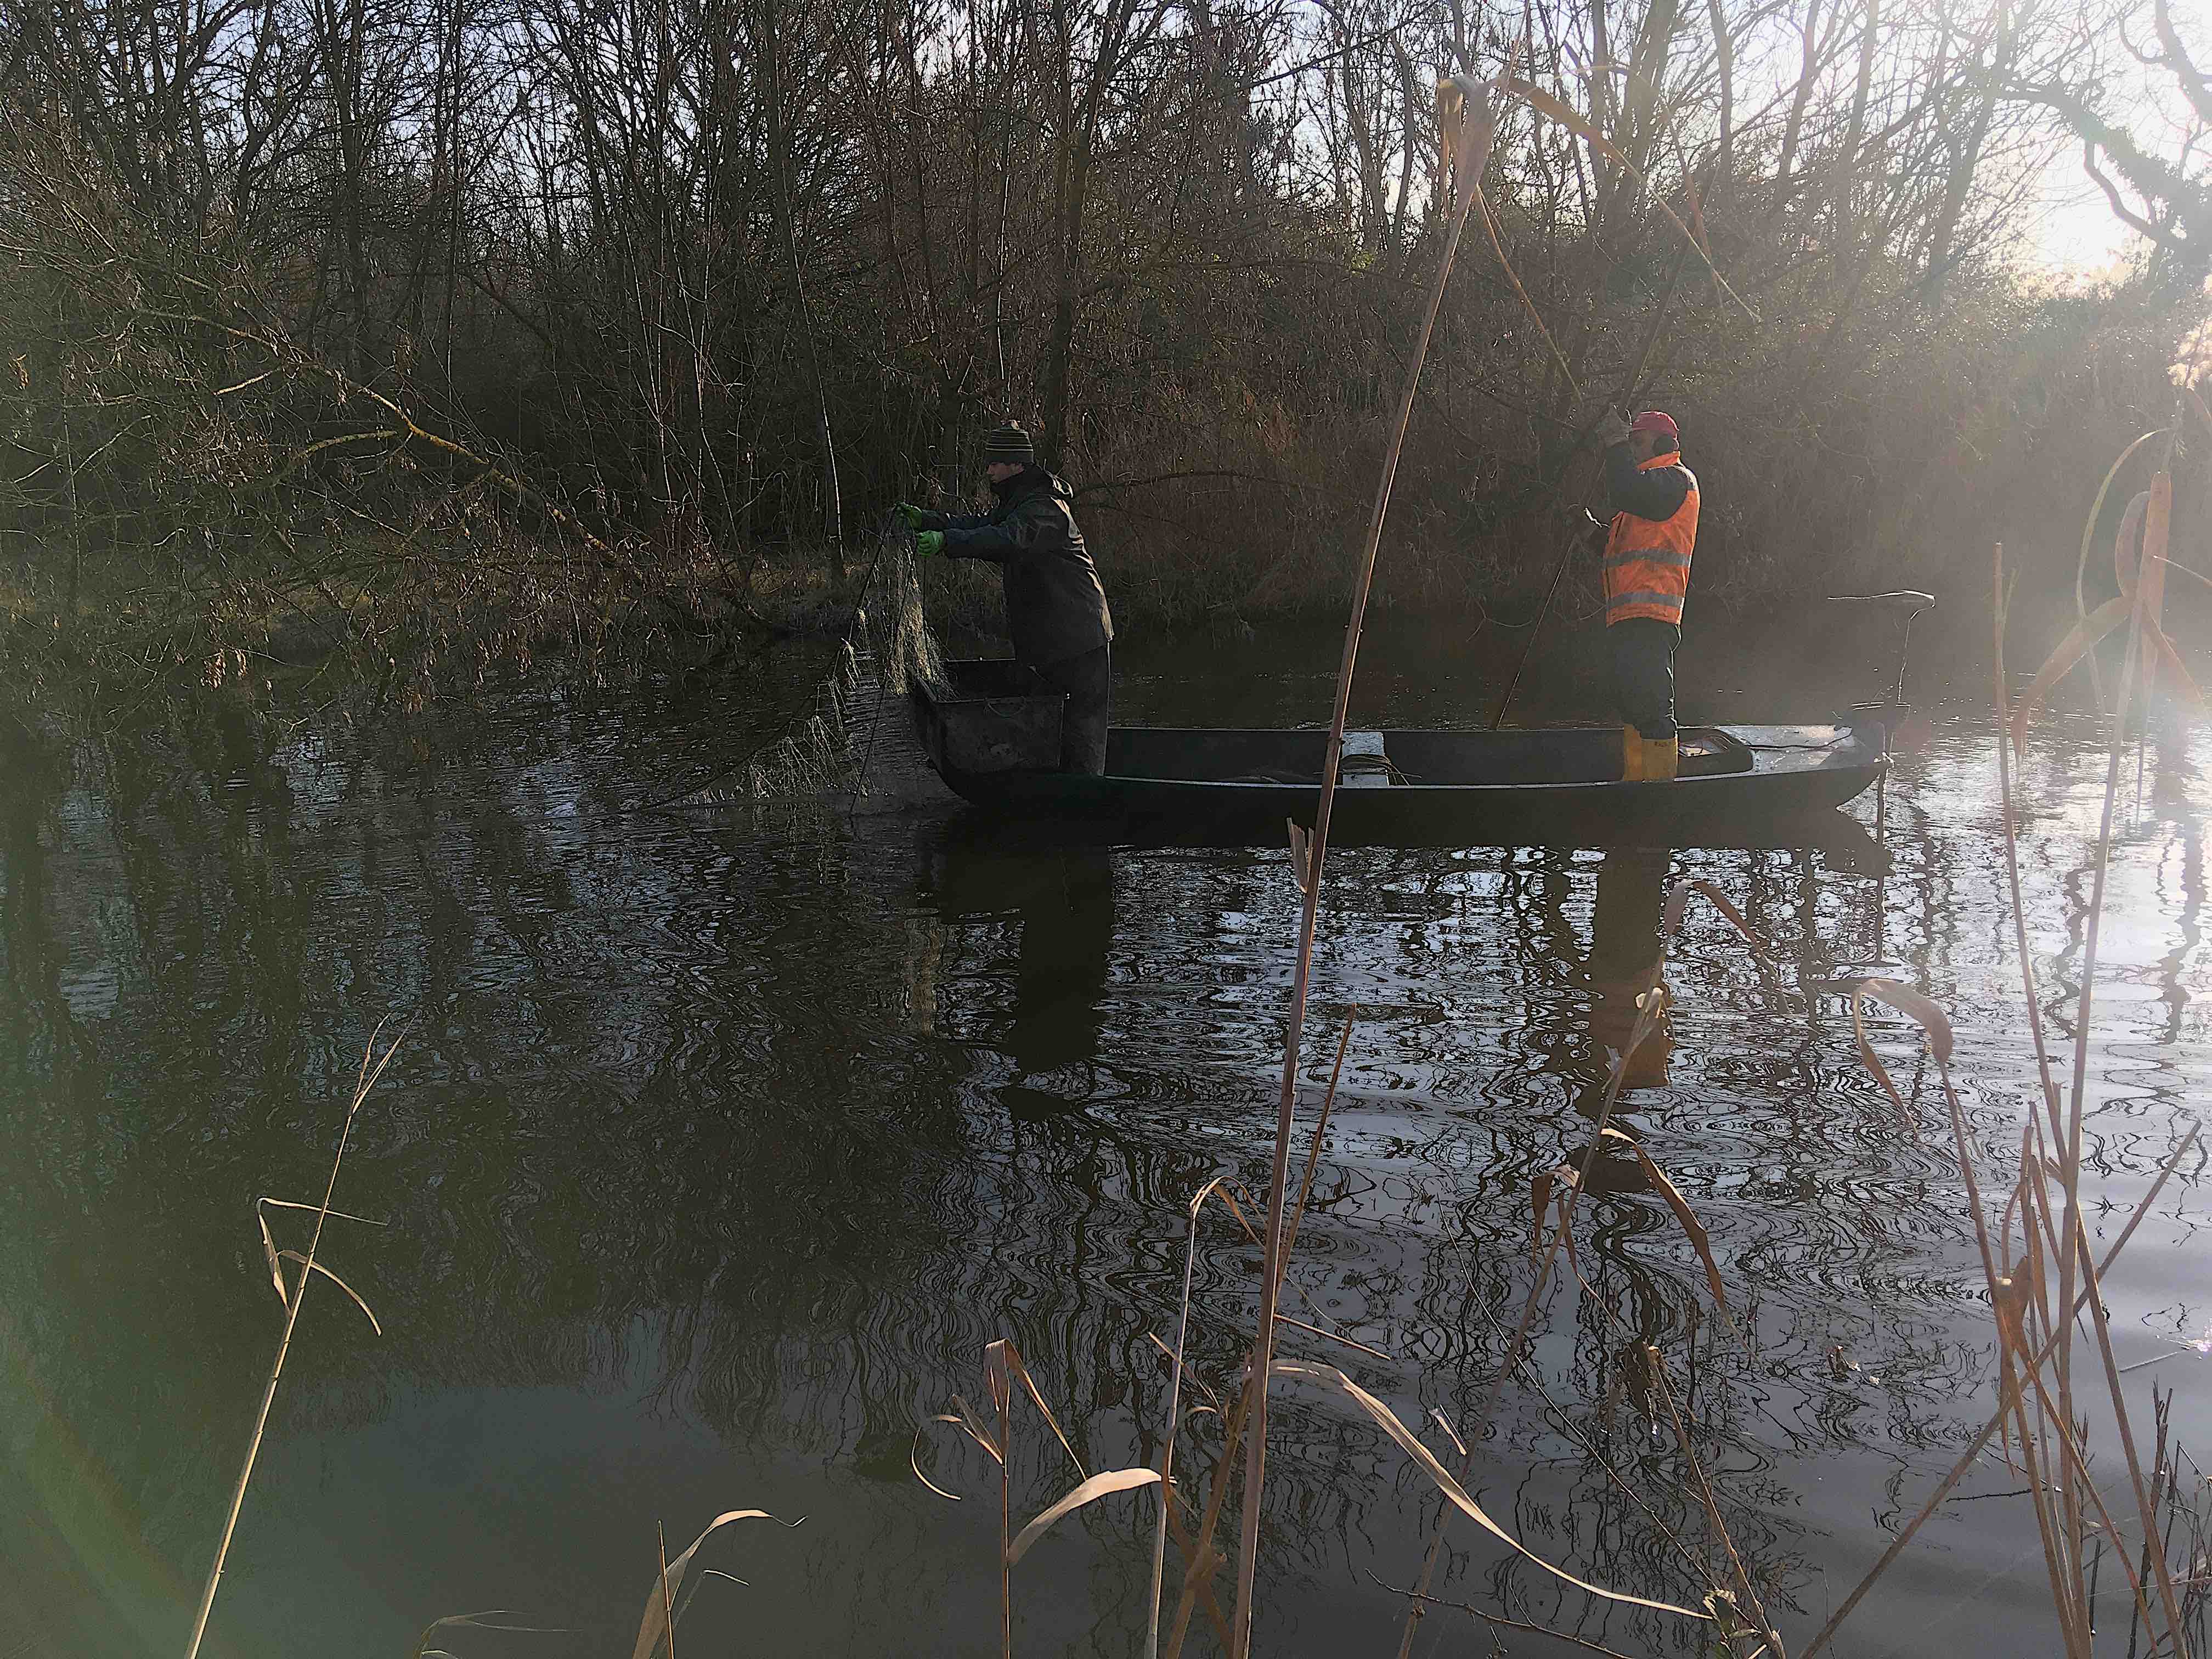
[1625, 960]
[1063, 898]
[1068, 929]
[1056, 606]
[1654, 500]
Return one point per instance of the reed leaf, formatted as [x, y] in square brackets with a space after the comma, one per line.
[654, 1626]
[1020, 1373]
[476, 1621]
[1911, 1003]
[1692, 1229]
[2157, 536]
[2175, 680]
[1679, 898]
[914, 1462]
[1451, 1434]
[271, 1254]
[1873, 1063]
[1098, 1487]
[317, 1267]
[2096, 506]
[1388, 1421]
[2196, 403]
[2127, 544]
[967, 1423]
[2081, 639]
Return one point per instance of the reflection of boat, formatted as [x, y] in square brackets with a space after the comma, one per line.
[1739, 785]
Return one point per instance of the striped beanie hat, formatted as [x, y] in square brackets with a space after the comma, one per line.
[1010, 444]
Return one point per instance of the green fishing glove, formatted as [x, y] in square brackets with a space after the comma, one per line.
[914, 516]
[928, 543]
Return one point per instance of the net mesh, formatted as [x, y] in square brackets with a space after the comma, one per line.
[854, 745]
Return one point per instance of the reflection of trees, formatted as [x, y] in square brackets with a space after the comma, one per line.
[784, 1125]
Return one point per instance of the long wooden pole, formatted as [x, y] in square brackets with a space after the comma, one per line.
[1477, 126]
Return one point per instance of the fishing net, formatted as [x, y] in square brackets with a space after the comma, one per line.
[852, 743]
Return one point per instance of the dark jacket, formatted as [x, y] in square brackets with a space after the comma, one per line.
[1056, 607]
[1657, 495]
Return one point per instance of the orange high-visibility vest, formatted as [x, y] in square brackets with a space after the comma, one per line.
[1647, 563]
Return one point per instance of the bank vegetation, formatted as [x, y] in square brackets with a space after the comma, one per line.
[433, 335]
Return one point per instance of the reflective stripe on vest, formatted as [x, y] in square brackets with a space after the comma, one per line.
[1647, 563]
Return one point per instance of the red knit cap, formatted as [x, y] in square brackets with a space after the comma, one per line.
[1653, 420]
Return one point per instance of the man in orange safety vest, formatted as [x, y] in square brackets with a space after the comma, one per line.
[1654, 499]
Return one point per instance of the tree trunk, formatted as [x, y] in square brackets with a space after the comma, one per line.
[1793, 128]
[1966, 160]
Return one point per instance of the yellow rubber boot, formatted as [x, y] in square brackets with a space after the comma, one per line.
[1632, 755]
[1661, 759]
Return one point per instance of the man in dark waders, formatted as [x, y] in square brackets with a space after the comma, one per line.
[1654, 500]
[1056, 607]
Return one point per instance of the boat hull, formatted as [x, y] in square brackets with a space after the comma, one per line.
[1740, 785]
[1748, 805]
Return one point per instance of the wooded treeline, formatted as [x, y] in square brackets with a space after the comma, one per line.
[688, 280]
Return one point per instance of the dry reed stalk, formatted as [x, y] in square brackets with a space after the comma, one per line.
[1502, 1622]
[2073, 1600]
[1174, 1422]
[2009, 1300]
[667, 1606]
[1003, 1371]
[1646, 1019]
[292, 1302]
[1189, 1547]
[1200, 1558]
[1470, 136]
[1650, 1008]
[2012, 1349]
[1202, 1569]
[2008, 1398]
[1657, 1369]
[1566, 1425]
[2145, 1504]
[2003, 608]
[2150, 590]
[2062, 1535]
[1321, 1128]
[2061, 1240]
[1002, 1397]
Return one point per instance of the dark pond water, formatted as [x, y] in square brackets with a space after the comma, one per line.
[721, 1144]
